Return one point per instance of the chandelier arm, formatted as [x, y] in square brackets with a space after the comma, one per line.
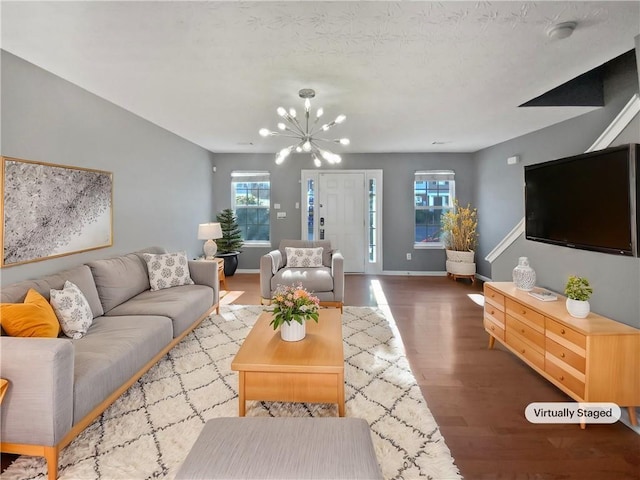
[278, 134]
[297, 129]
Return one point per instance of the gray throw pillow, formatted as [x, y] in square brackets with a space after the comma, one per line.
[168, 270]
[72, 309]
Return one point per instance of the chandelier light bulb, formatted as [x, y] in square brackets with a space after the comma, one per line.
[305, 133]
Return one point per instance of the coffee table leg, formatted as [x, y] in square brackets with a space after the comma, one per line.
[241, 400]
[341, 394]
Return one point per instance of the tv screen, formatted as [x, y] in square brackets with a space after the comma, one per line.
[586, 201]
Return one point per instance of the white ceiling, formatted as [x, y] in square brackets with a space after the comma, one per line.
[410, 76]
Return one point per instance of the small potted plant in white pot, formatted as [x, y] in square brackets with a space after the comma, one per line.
[459, 234]
[578, 292]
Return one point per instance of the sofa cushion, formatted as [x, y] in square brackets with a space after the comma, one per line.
[72, 309]
[314, 279]
[304, 257]
[118, 279]
[81, 276]
[183, 305]
[113, 349]
[32, 318]
[167, 270]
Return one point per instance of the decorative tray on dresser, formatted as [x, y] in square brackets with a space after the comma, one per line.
[593, 359]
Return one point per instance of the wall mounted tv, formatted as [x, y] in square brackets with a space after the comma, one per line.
[586, 201]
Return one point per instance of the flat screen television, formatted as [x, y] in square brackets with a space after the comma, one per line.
[586, 201]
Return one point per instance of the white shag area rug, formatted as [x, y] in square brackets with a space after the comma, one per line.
[148, 432]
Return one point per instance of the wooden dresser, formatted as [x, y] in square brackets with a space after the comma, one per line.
[594, 359]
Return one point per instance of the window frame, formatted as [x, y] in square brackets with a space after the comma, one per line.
[425, 176]
[251, 176]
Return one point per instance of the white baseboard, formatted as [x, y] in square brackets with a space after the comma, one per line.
[399, 273]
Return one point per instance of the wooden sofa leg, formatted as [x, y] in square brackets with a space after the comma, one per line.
[51, 456]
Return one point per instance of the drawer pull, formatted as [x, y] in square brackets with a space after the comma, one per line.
[522, 330]
[492, 312]
[524, 312]
[561, 377]
[562, 355]
[492, 328]
[562, 331]
[522, 351]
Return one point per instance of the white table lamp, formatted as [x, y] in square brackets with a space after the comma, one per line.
[209, 232]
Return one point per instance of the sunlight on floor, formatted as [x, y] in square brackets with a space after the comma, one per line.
[383, 305]
[477, 298]
[229, 297]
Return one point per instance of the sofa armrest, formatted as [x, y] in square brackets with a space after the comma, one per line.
[205, 272]
[337, 272]
[270, 263]
[38, 406]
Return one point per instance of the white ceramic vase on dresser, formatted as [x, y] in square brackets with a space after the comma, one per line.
[524, 277]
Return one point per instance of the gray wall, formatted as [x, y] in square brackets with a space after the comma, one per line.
[500, 202]
[398, 170]
[162, 186]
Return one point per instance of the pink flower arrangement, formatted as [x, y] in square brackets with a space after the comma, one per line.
[293, 303]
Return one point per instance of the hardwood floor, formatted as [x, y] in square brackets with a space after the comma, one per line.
[477, 395]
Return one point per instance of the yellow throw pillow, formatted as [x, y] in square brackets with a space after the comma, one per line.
[33, 318]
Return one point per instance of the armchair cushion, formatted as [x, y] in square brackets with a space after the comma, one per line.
[314, 279]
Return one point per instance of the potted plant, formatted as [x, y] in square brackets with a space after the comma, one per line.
[294, 305]
[578, 292]
[459, 235]
[231, 242]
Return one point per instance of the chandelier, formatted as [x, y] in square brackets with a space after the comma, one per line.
[306, 133]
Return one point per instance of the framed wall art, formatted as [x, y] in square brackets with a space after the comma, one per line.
[53, 210]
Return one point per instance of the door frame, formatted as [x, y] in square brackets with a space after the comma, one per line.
[372, 264]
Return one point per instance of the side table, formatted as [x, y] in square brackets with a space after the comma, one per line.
[221, 277]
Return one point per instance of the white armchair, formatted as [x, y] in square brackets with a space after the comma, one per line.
[325, 281]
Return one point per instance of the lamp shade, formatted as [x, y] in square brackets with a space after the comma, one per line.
[209, 231]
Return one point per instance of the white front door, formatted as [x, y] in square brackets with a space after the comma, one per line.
[341, 216]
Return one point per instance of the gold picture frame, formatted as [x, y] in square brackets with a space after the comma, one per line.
[51, 210]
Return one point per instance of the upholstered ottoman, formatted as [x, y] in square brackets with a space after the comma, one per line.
[282, 448]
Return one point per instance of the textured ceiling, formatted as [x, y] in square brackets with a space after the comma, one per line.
[410, 76]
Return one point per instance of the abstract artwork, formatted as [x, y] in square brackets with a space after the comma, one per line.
[53, 210]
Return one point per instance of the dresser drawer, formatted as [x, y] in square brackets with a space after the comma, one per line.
[565, 336]
[565, 378]
[494, 314]
[522, 312]
[493, 328]
[568, 356]
[493, 298]
[525, 349]
[526, 331]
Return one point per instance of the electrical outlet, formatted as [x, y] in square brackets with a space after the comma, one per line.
[408, 256]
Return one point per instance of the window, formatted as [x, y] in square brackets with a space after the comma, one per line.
[251, 202]
[433, 193]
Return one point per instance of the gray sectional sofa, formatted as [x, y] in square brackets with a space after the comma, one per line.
[58, 386]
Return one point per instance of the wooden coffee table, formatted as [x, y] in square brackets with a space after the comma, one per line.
[311, 370]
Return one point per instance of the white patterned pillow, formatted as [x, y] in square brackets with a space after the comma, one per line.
[168, 270]
[304, 257]
[72, 309]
